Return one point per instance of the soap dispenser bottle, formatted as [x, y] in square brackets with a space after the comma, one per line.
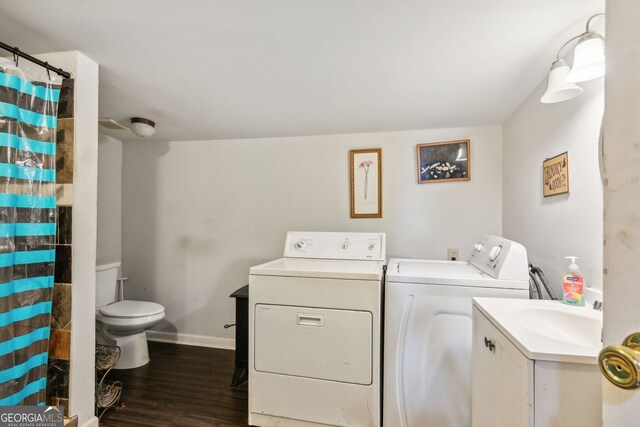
[572, 284]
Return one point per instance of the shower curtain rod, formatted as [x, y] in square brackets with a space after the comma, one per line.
[28, 57]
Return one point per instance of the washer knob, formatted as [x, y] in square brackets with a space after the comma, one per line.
[345, 245]
[372, 247]
[495, 252]
[478, 247]
[301, 244]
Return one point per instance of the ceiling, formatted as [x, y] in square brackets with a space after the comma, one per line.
[220, 69]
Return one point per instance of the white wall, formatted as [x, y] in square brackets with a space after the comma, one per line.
[197, 215]
[81, 389]
[109, 200]
[83, 194]
[556, 226]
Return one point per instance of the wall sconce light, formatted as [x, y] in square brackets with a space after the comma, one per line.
[588, 64]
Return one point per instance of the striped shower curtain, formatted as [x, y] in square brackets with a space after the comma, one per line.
[28, 109]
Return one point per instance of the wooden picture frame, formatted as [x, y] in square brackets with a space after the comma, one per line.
[555, 175]
[365, 173]
[444, 161]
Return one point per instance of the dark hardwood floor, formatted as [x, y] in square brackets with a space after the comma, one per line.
[181, 386]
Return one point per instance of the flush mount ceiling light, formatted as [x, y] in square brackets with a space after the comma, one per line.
[143, 127]
[588, 64]
[140, 126]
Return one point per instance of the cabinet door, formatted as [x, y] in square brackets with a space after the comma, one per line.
[514, 384]
[502, 379]
[483, 372]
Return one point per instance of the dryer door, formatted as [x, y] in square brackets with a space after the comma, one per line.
[317, 343]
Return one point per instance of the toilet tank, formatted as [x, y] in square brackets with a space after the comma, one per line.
[107, 283]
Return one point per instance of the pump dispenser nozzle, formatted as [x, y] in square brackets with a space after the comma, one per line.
[573, 266]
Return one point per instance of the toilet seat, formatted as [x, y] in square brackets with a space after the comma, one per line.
[129, 309]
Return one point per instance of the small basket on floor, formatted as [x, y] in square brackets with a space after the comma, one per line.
[108, 393]
[106, 356]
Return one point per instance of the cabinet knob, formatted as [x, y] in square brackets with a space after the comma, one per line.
[620, 364]
[489, 344]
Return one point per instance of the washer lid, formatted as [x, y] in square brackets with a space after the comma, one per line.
[130, 309]
[446, 273]
[433, 268]
[321, 268]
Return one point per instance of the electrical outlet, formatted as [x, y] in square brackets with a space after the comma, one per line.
[452, 254]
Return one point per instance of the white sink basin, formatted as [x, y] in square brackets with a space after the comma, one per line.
[547, 330]
[559, 322]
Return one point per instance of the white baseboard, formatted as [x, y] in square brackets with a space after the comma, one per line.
[192, 339]
[91, 422]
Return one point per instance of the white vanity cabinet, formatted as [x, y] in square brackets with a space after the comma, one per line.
[510, 389]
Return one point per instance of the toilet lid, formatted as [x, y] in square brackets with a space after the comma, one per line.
[130, 309]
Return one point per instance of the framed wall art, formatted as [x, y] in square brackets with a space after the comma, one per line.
[555, 175]
[366, 183]
[444, 161]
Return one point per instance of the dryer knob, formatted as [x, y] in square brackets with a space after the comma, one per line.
[301, 244]
[495, 252]
[478, 247]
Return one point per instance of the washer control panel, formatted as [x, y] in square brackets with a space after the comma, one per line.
[500, 258]
[328, 245]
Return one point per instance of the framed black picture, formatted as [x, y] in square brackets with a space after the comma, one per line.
[444, 161]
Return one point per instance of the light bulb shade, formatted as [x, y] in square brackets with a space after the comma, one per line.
[588, 59]
[558, 89]
[142, 127]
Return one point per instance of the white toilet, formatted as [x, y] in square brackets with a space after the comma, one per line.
[123, 323]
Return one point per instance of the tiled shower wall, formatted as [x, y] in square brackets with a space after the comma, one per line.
[60, 341]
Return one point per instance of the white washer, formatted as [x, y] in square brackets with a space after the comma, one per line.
[427, 348]
[314, 332]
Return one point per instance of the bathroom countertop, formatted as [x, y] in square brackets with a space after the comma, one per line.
[546, 330]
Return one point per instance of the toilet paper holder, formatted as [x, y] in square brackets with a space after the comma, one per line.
[620, 364]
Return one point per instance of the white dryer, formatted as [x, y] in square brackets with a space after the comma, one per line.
[427, 347]
[314, 332]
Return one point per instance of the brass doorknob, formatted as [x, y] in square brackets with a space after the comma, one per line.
[620, 364]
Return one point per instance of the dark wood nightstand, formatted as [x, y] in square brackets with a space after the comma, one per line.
[242, 335]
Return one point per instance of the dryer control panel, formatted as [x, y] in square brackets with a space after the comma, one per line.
[501, 258]
[328, 245]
